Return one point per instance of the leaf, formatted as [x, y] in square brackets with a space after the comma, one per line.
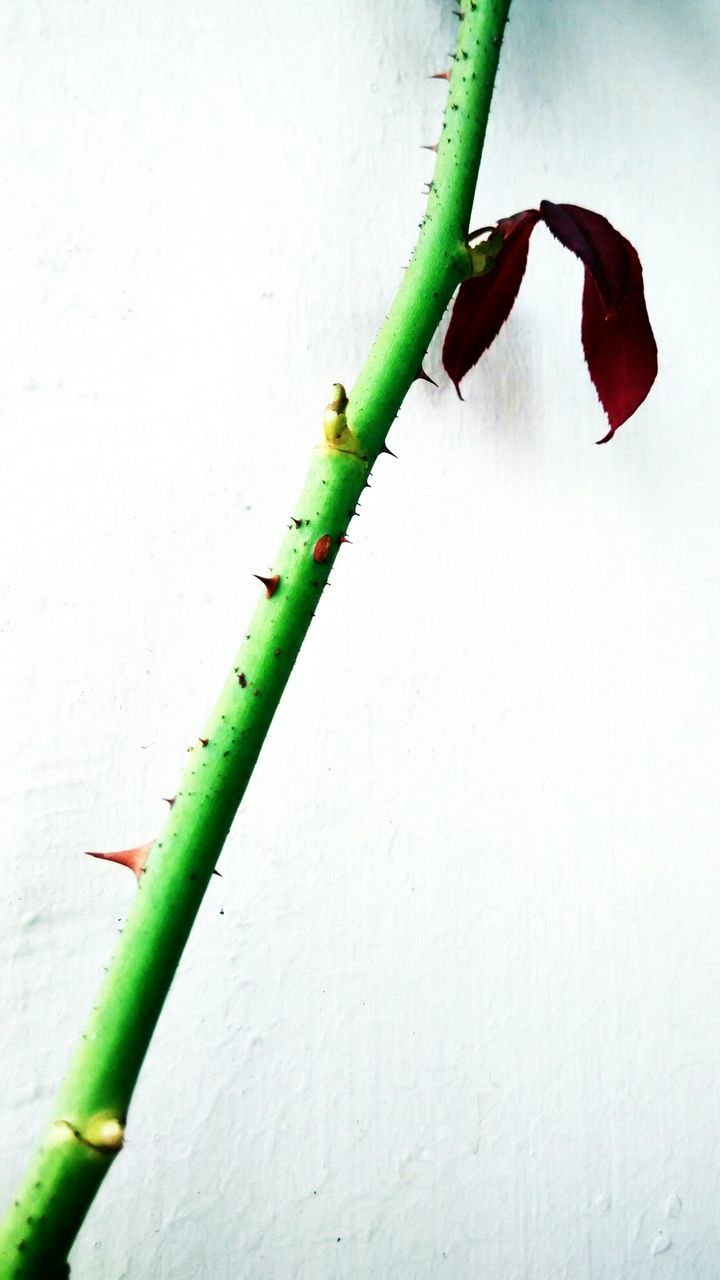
[619, 347]
[617, 337]
[484, 302]
[596, 242]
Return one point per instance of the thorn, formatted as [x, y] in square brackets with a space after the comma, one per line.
[218, 873]
[441, 75]
[429, 186]
[321, 550]
[135, 859]
[170, 800]
[429, 146]
[422, 376]
[242, 680]
[460, 395]
[343, 538]
[203, 741]
[270, 584]
[457, 14]
[385, 449]
[296, 522]
[609, 436]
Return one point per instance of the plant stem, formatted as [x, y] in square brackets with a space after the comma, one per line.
[90, 1114]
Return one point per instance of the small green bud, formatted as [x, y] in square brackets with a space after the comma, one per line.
[334, 421]
[482, 256]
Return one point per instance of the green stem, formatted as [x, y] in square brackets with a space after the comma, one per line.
[90, 1114]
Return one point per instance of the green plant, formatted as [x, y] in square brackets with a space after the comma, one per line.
[89, 1119]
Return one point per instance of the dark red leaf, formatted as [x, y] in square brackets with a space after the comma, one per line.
[596, 242]
[619, 346]
[617, 338]
[483, 303]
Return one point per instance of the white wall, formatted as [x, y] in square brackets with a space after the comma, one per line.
[453, 1008]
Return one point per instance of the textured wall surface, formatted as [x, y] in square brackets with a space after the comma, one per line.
[452, 1009]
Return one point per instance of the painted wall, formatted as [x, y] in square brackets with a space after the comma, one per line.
[453, 1007]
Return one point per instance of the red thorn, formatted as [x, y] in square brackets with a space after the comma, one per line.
[321, 549]
[170, 800]
[441, 75]
[422, 376]
[429, 146]
[342, 539]
[135, 859]
[270, 584]
[605, 439]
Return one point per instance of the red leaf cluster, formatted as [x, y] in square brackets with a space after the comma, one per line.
[617, 337]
